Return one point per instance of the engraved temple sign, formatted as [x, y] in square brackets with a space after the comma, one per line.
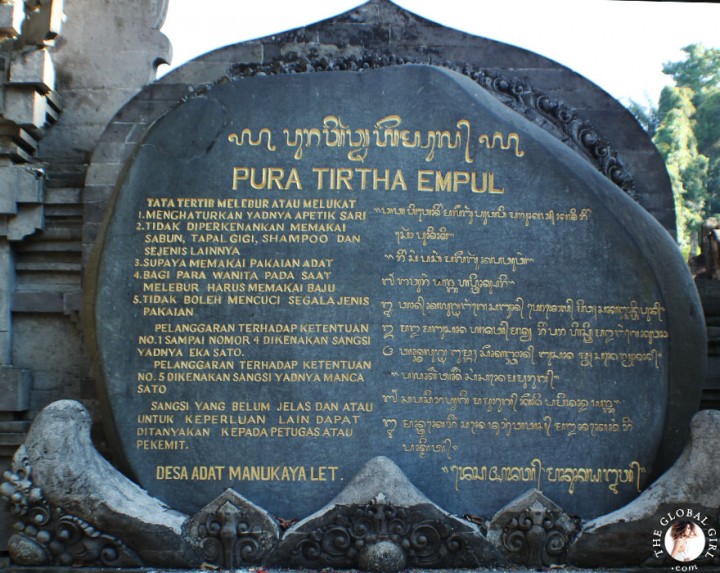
[299, 273]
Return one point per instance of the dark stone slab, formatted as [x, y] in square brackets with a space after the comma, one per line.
[302, 272]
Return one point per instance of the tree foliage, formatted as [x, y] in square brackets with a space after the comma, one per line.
[699, 71]
[646, 114]
[685, 127]
[675, 139]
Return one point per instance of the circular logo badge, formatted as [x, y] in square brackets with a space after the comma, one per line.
[684, 540]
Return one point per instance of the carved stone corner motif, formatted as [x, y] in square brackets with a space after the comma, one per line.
[47, 535]
[380, 536]
[533, 530]
[232, 532]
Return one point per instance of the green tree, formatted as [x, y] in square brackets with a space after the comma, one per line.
[699, 71]
[686, 130]
[646, 114]
[707, 117]
[676, 141]
[707, 131]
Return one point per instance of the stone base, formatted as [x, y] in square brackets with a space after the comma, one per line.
[381, 522]
[692, 484]
[74, 509]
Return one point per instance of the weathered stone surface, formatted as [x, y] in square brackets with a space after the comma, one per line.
[26, 107]
[72, 475]
[29, 219]
[87, 63]
[45, 534]
[14, 389]
[43, 24]
[34, 68]
[232, 532]
[21, 210]
[692, 484]
[7, 287]
[382, 556]
[379, 476]
[11, 18]
[59, 367]
[382, 522]
[710, 248]
[532, 530]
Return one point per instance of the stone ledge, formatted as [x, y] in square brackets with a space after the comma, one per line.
[16, 569]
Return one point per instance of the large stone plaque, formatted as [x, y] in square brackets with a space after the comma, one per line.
[299, 273]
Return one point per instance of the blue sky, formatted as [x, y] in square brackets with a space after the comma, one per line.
[619, 45]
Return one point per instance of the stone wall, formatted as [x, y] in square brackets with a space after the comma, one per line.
[65, 84]
[59, 168]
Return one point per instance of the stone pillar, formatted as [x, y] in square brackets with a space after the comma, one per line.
[7, 286]
[14, 382]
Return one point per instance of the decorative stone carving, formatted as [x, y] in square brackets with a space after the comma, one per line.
[381, 522]
[533, 530]
[75, 477]
[551, 114]
[232, 532]
[376, 534]
[46, 535]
